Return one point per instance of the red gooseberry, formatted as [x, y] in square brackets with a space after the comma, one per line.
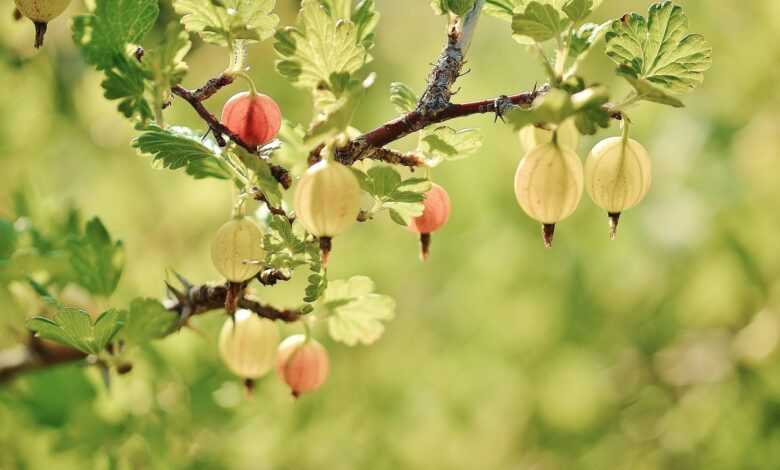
[436, 213]
[255, 118]
[302, 364]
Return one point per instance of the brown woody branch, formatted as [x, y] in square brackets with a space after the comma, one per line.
[195, 300]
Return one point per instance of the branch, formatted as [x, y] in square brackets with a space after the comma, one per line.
[437, 94]
[195, 98]
[369, 145]
[196, 300]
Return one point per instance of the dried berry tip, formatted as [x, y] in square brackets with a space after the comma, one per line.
[614, 219]
[326, 244]
[425, 246]
[124, 368]
[548, 232]
[40, 32]
[249, 387]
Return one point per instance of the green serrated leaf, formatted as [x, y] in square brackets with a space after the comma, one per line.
[105, 38]
[647, 91]
[404, 99]
[222, 22]
[357, 313]
[660, 50]
[538, 23]
[456, 7]
[397, 218]
[578, 10]
[126, 82]
[446, 143]
[179, 147]
[165, 63]
[104, 35]
[97, 261]
[582, 39]
[384, 180]
[318, 47]
[73, 327]
[147, 320]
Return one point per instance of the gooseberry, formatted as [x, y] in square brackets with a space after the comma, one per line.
[532, 136]
[247, 344]
[40, 12]
[237, 250]
[618, 175]
[435, 215]
[327, 201]
[302, 364]
[254, 117]
[548, 185]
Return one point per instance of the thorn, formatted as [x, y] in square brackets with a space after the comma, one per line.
[187, 284]
[614, 219]
[425, 246]
[548, 232]
[176, 293]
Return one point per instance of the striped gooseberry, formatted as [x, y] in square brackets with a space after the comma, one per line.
[327, 201]
[302, 364]
[237, 250]
[254, 117]
[618, 175]
[549, 185]
[247, 344]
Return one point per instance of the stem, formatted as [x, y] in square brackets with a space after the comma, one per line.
[252, 87]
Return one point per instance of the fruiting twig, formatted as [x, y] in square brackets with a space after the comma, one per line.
[195, 300]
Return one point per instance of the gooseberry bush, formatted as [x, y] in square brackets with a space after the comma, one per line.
[338, 175]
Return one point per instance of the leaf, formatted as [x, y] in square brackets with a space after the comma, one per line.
[383, 181]
[165, 63]
[7, 239]
[97, 261]
[319, 47]
[146, 320]
[456, 7]
[504, 9]
[660, 50]
[180, 147]
[104, 38]
[222, 22]
[265, 180]
[105, 34]
[366, 17]
[73, 327]
[583, 39]
[647, 91]
[126, 82]
[538, 23]
[404, 99]
[357, 313]
[578, 10]
[586, 106]
[446, 143]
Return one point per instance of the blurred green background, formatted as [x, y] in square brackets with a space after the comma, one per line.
[655, 351]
